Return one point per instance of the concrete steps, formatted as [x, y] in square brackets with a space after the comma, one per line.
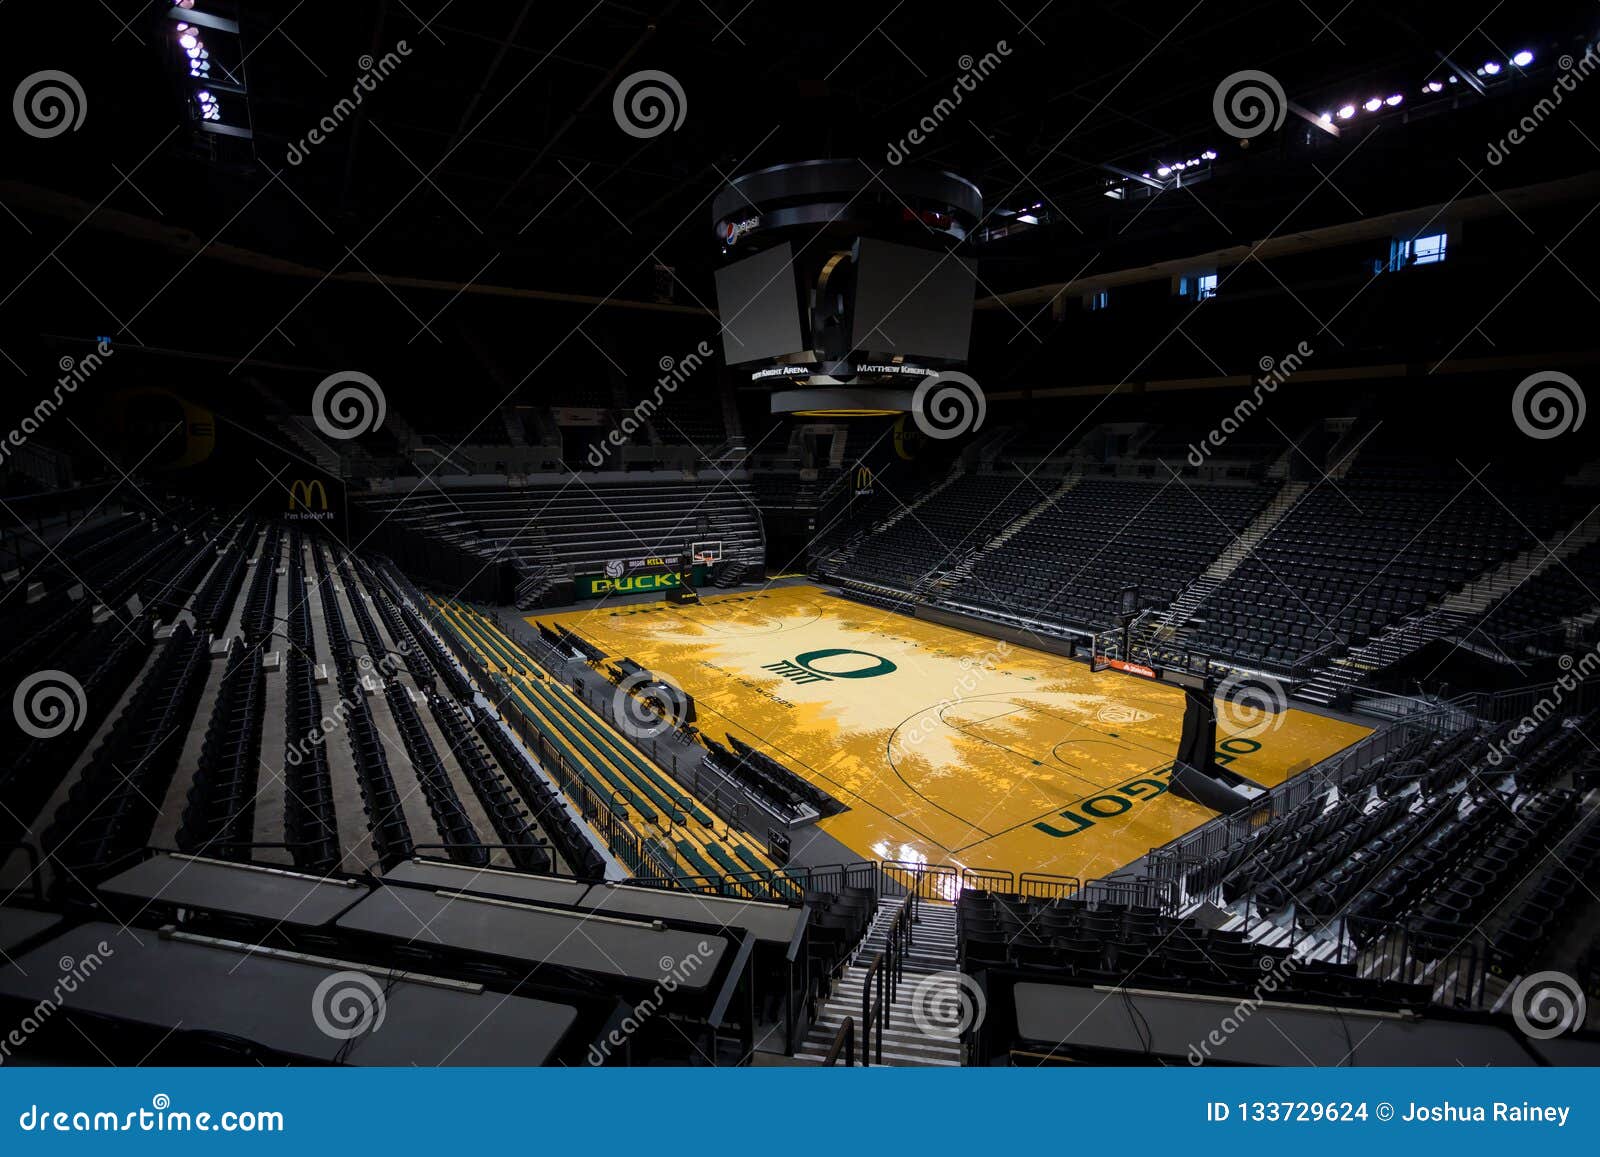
[931, 980]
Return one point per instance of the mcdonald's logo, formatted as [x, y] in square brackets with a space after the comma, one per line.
[301, 492]
[308, 500]
[864, 480]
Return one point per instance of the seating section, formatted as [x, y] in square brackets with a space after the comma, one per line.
[1535, 616]
[552, 531]
[1545, 909]
[1353, 558]
[767, 779]
[219, 818]
[937, 533]
[1291, 587]
[110, 809]
[1068, 565]
[1138, 947]
[664, 830]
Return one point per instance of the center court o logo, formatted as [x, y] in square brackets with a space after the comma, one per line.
[816, 666]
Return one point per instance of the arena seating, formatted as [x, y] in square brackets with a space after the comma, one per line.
[1346, 563]
[1069, 563]
[555, 530]
[678, 834]
[936, 533]
[1535, 616]
[1137, 947]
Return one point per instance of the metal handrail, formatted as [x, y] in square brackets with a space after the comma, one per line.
[885, 974]
[845, 1040]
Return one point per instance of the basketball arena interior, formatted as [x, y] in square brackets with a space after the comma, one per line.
[651, 533]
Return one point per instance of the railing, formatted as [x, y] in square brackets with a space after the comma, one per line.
[881, 985]
[789, 884]
[1521, 702]
[920, 881]
[1045, 885]
[1175, 860]
[845, 1040]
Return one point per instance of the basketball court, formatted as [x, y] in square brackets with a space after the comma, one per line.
[946, 747]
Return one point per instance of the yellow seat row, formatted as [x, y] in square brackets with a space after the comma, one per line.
[664, 815]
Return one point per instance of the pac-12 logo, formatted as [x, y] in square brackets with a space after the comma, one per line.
[830, 663]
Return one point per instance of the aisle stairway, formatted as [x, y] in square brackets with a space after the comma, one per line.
[931, 961]
[1197, 592]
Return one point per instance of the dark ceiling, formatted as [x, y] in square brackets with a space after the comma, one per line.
[491, 152]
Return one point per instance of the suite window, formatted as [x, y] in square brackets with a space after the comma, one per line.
[1429, 250]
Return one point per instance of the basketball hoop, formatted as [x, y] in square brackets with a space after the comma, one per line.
[707, 552]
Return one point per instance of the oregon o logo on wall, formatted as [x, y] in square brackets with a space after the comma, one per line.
[830, 663]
